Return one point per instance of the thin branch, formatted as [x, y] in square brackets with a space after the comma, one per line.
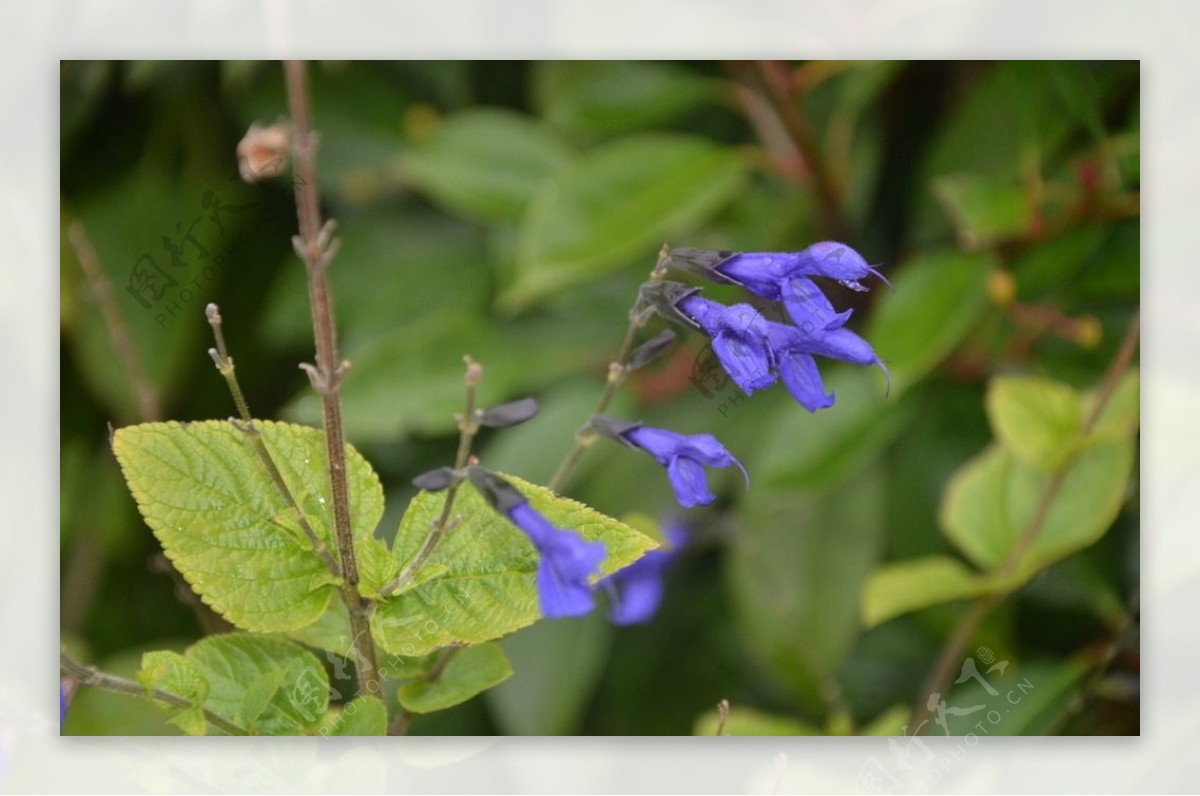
[90, 675]
[225, 366]
[954, 648]
[468, 426]
[617, 371]
[315, 247]
[145, 396]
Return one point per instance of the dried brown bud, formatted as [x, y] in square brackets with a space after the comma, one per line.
[263, 152]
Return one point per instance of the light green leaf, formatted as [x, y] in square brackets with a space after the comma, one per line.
[917, 583]
[748, 721]
[615, 207]
[471, 671]
[233, 664]
[203, 490]
[1119, 418]
[364, 715]
[1039, 420]
[557, 667]
[891, 722]
[485, 163]
[261, 684]
[984, 212]
[174, 673]
[991, 500]
[489, 588]
[939, 298]
[796, 572]
[598, 97]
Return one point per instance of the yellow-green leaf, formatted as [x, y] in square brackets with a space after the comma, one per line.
[916, 583]
[471, 671]
[219, 517]
[1038, 419]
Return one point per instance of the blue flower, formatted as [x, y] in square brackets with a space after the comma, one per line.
[638, 589]
[756, 352]
[685, 456]
[567, 561]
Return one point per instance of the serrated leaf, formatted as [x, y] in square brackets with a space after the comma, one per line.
[221, 520]
[597, 97]
[364, 715]
[616, 205]
[1039, 420]
[471, 671]
[233, 663]
[991, 500]
[261, 684]
[174, 673]
[489, 587]
[939, 298]
[917, 583]
[748, 721]
[485, 163]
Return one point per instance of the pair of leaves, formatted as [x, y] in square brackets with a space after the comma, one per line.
[220, 519]
[989, 506]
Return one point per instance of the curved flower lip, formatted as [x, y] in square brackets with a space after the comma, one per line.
[637, 590]
[739, 339]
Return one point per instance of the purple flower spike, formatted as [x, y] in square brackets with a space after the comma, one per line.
[767, 273]
[566, 563]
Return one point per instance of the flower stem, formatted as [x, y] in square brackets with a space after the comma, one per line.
[468, 426]
[225, 366]
[954, 648]
[617, 372]
[89, 675]
[316, 248]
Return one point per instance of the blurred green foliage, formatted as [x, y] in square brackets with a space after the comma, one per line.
[509, 211]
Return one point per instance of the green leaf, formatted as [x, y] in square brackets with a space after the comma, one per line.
[489, 587]
[838, 441]
[471, 671]
[600, 97]
[557, 668]
[891, 722]
[615, 207]
[485, 163]
[796, 572]
[1119, 418]
[917, 583]
[264, 685]
[364, 715]
[1025, 699]
[748, 721]
[210, 502]
[991, 500]
[1039, 420]
[939, 298]
[172, 672]
[984, 212]
[237, 663]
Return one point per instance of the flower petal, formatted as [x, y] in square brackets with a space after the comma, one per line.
[567, 561]
[689, 482]
[638, 589]
[747, 360]
[803, 380]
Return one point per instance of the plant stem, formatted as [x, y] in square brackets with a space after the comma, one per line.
[777, 84]
[468, 426]
[145, 396]
[225, 366]
[89, 675]
[316, 249]
[617, 372]
[954, 648]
